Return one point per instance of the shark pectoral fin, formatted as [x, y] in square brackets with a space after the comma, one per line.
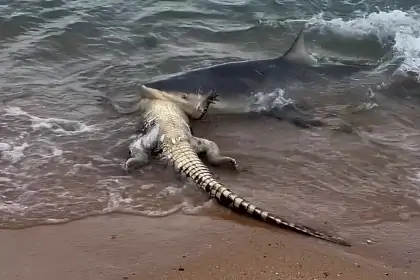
[298, 52]
[290, 113]
[306, 123]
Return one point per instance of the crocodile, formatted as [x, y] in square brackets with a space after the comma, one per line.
[167, 134]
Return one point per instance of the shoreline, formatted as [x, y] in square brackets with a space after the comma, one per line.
[186, 247]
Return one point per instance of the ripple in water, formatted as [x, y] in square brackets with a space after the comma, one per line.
[45, 181]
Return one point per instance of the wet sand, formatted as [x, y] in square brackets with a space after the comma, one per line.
[218, 244]
[190, 247]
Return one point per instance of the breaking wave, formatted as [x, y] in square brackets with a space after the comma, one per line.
[401, 27]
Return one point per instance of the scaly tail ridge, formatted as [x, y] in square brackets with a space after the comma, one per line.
[187, 162]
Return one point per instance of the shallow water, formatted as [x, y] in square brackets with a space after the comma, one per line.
[61, 154]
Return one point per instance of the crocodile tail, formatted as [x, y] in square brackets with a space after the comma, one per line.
[186, 161]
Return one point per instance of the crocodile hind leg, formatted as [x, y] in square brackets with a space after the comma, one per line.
[210, 148]
[136, 162]
[141, 149]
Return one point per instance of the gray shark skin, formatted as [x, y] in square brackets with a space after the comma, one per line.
[245, 77]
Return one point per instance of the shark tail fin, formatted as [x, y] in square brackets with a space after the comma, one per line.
[298, 52]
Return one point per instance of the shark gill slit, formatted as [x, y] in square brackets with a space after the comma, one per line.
[187, 162]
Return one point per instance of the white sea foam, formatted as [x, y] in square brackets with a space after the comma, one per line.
[169, 191]
[4, 147]
[14, 148]
[39, 147]
[56, 125]
[118, 204]
[262, 101]
[115, 202]
[190, 209]
[404, 27]
[12, 207]
[16, 153]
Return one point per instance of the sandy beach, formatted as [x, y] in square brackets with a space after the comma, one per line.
[62, 152]
[193, 247]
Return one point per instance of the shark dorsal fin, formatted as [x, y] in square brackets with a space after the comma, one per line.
[298, 52]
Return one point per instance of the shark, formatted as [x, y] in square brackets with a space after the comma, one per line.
[235, 81]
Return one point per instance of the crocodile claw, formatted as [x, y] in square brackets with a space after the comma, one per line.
[212, 97]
